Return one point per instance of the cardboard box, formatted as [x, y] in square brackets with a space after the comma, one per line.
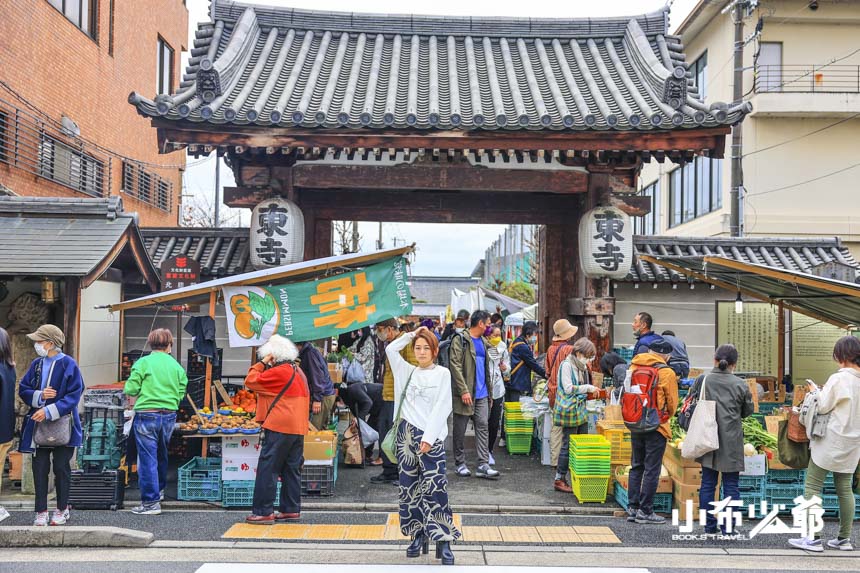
[682, 491]
[320, 445]
[239, 468]
[682, 510]
[335, 372]
[755, 465]
[665, 485]
[241, 445]
[15, 466]
[683, 474]
[675, 454]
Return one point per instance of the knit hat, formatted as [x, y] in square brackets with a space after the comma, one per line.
[660, 347]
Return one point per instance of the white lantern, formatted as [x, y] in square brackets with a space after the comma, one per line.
[277, 234]
[606, 243]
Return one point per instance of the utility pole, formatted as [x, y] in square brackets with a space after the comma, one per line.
[379, 242]
[355, 236]
[217, 191]
[735, 223]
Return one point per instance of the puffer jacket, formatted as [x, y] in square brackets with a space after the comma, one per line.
[667, 387]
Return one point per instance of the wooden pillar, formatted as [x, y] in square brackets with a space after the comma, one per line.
[556, 275]
[207, 388]
[71, 315]
[592, 306]
[318, 233]
[780, 325]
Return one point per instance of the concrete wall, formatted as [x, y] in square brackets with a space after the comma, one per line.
[99, 334]
[689, 313]
[826, 207]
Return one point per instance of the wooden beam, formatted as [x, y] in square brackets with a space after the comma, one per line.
[437, 176]
[790, 278]
[185, 132]
[72, 315]
[780, 322]
[633, 205]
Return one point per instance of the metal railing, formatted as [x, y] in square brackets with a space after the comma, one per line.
[42, 149]
[146, 186]
[807, 79]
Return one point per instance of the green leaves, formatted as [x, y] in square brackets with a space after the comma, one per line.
[264, 309]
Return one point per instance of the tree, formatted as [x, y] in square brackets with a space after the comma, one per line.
[520, 291]
[345, 237]
[198, 211]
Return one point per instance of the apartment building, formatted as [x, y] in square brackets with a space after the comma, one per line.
[800, 164]
[511, 257]
[66, 128]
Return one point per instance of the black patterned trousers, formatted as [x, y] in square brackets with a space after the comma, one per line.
[423, 487]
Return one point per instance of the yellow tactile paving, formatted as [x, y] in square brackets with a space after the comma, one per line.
[519, 534]
[365, 532]
[481, 533]
[334, 532]
[393, 520]
[288, 531]
[558, 534]
[392, 533]
[599, 538]
[246, 531]
[592, 530]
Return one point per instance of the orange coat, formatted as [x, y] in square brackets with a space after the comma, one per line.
[290, 415]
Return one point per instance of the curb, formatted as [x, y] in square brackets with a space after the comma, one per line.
[17, 536]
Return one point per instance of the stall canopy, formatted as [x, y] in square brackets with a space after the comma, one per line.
[833, 301]
[288, 273]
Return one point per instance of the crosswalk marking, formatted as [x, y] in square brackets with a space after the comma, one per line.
[326, 568]
[390, 531]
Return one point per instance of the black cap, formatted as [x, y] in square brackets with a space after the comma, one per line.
[463, 315]
[660, 347]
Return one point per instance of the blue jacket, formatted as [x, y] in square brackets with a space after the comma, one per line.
[7, 403]
[67, 381]
[644, 341]
[523, 363]
[314, 366]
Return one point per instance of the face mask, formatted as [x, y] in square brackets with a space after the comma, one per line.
[589, 360]
[459, 330]
[533, 340]
[40, 350]
[495, 340]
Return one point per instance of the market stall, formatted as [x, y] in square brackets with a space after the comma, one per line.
[306, 301]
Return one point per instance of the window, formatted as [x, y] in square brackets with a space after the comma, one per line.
[4, 130]
[146, 186]
[81, 13]
[769, 67]
[68, 166]
[164, 78]
[110, 27]
[699, 70]
[695, 190]
[650, 223]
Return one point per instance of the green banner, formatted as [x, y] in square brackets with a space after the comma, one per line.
[318, 309]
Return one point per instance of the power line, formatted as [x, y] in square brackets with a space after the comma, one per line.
[837, 172]
[787, 141]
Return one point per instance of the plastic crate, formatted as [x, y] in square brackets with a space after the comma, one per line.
[588, 488]
[319, 480]
[785, 477]
[200, 480]
[783, 491]
[662, 501]
[625, 353]
[241, 493]
[752, 484]
[518, 443]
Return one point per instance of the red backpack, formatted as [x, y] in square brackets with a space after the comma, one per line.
[639, 409]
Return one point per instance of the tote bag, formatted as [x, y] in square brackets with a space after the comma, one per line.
[388, 444]
[703, 435]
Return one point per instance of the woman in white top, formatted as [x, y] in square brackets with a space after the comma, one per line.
[838, 451]
[422, 395]
[500, 364]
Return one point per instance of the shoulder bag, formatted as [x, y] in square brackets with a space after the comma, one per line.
[703, 435]
[388, 444]
[689, 406]
[53, 433]
[791, 453]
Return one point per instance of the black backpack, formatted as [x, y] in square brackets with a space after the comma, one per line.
[444, 356]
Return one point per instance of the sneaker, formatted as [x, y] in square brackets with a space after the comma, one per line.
[501, 442]
[805, 544]
[3, 513]
[463, 471]
[147, 509]
[485, 471]
[840, 544]
[649, 519]
[60, 517]
[492, 460]
[631, 514]
[161, 496]
[41, 519]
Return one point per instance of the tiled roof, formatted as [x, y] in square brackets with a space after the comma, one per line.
[220, 252]
[265, 66]
[60, 237]
[788, 254]
[437, 290]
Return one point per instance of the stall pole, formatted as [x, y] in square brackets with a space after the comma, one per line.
[780, 370]
[179, 337]
[207, 388]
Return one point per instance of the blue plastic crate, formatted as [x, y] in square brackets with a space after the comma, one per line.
[241, 493]
[625, 353]
[786, 477]
[782, 491]
[200, 480]
[662, 501]
[752, 484]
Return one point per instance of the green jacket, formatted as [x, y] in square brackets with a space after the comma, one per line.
[158, 381]
[462, 360]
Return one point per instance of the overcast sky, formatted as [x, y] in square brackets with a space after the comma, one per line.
[442, 250]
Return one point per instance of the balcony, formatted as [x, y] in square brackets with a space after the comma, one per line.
[825, 91]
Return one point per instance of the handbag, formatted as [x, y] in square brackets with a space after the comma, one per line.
[388, 445]
[53, 433]
[795, 455]
[687, 409]
[795, 430]
[703, 435]
[353, 453]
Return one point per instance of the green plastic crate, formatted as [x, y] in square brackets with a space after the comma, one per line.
[200, 480]
[589, 488]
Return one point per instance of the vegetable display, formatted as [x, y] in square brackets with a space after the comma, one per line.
[756, 436]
